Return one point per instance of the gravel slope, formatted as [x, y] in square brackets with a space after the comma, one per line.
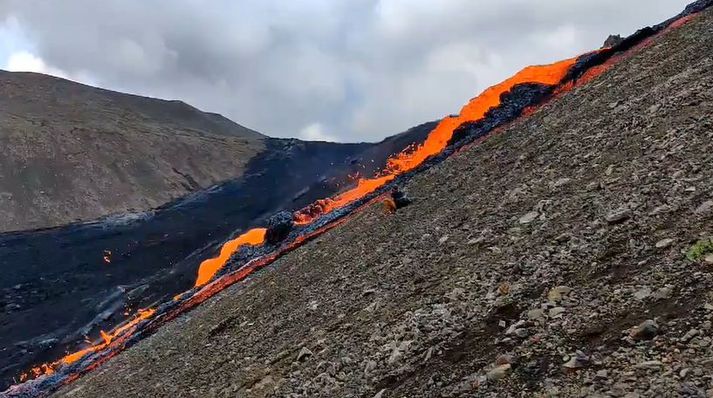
[548, 261]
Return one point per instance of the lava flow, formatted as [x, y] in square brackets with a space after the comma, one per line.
[438, 139]
[107, 338]
[403, 162]
[559, 77]
[210, 267]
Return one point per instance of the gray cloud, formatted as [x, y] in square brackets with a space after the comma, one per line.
[351, 70]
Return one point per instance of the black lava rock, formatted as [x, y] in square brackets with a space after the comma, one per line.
[399, 197]
[278, 227]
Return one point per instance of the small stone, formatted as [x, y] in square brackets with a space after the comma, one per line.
[705, 208]
[594, 186]
[684, 372]
[521, 333]
[554, 312]
[691, 334]
[563, 238]
[529, 217]
[602, 374]
[561, 182]
[429, 355]
[577, 361]
[643, 293]
[647, 330]
[456, 294]
[618, 216]
[370, 366]
[708, 258]
[536, 315]
[304, 354]
[380, 394]
[664, 293]
[664, 243]
[504, 359]
[443, 239]
[556, 293]
[511, 330]
[649, 365]
[499, 372]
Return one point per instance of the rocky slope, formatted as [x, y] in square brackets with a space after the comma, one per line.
[74, 152]
[564, 256]
[63, 285]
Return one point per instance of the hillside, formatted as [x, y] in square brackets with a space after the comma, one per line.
[58, 288]
[549, 260]
[74, 152]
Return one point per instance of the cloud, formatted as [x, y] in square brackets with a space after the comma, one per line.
[315, 132]
[356, 69]
[23, 61]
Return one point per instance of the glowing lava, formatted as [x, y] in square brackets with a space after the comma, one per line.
[210, 267]
[107, 338]
[437, 139]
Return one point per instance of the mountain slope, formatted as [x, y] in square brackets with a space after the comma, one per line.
[58, 288]
[74, 152]
[598, 193]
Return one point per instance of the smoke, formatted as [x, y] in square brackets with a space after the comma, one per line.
[347, 70]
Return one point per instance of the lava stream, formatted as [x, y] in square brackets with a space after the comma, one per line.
[210, 267]
[107, 338]
[437, 139]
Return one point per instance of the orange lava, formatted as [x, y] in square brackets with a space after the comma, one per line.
[364, 187]
[437, 139]
[210, 267]
[107, 338]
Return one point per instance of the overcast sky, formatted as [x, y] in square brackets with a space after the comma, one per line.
[343, 70]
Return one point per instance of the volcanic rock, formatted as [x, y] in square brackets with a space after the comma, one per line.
[399, 197]
[612, 40]
[278, 227]
[705, 208]
[529, 217]
[664, 243]
[304, 354]
[647, 330]
[499, 372]
[618, 216]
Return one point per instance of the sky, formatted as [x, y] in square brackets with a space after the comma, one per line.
[336, 70]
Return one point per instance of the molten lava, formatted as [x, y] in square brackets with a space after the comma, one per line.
[107, 338]
[210, 267]
[437, 139]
